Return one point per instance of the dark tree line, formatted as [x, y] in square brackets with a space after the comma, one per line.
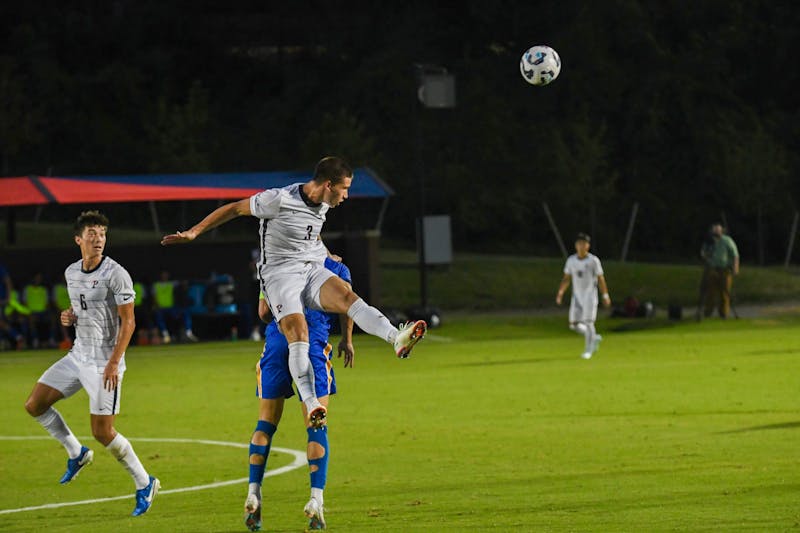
[688, 108]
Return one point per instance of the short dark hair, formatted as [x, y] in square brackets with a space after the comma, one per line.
[89, 218]
[333, 169]
[583, 237]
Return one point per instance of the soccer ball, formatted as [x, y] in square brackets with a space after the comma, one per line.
[540, 65]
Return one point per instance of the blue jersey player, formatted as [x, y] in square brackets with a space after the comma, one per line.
[274, 385]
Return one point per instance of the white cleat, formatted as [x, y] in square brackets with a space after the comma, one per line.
[314, 513]
[252, 513]
[596, 344]
[408, 335]
[586, 355]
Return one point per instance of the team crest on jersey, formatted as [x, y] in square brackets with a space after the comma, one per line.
[94, 284]
[279, 308]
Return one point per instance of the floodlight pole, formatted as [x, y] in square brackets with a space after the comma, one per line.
[435, 90]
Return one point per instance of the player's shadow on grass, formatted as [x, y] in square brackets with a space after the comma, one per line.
[782, 425]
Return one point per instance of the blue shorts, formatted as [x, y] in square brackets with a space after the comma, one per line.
[273, 379]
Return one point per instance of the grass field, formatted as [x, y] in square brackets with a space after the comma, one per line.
[494, 424]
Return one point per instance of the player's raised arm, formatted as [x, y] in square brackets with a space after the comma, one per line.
[217, 217]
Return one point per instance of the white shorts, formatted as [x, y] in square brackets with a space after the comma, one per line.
[582, 310]
[290, 291]
[68, 376]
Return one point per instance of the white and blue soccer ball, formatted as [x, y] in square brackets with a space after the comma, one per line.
[540, 65]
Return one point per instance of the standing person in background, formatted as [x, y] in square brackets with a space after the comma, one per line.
[721, 257]
[62, 302]
[36, 297]
[8, 332]
[169, 305]
[101, 295]
[586, 274]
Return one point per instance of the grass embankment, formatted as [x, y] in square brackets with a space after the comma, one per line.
[484, 282]
[500, 282]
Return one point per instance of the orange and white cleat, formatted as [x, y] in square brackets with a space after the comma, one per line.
[318, 417]
[409, 334]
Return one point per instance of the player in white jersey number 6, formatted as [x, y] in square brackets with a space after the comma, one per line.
[102, 296]
[292, 271]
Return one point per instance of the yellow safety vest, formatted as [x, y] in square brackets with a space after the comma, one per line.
[36, 298]
[165, 294]
[139, 289]
[61, 296]
[15, 305]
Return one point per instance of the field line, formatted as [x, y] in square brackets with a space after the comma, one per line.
[298, 461]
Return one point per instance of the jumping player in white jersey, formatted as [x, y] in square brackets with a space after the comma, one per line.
[292, 272]
[102, 297]
[586, 273]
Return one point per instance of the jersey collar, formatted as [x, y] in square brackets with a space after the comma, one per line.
[95, 268]
[305, 198]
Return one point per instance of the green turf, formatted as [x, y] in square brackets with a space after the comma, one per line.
[493, 424]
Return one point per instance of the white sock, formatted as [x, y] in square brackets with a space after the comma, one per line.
[590, 334]
[121, 448]
[578, 327]
[54, 423]
[317, 494]
[302, 373]
[254, 488]
[371, 320]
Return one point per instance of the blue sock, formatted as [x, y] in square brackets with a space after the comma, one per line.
[318, 477]
[257, 471]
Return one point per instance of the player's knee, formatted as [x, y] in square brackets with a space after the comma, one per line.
[260, 438]
[35, 407]
[315, 451]
[350, 297]
[103, 435]
[294, 328]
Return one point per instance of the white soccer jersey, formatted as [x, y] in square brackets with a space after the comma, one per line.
[290, 226]
[584, 273]
[95, 295]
